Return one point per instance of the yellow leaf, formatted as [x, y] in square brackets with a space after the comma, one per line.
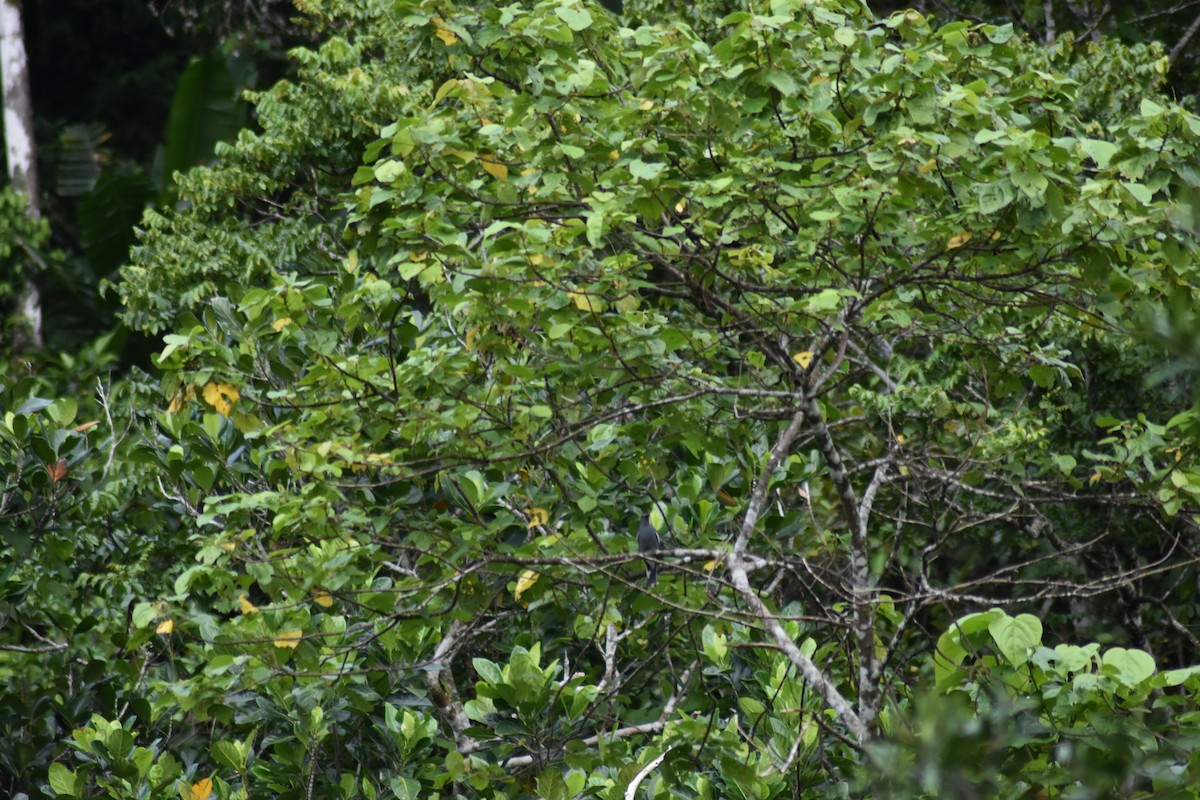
[680, 206]
[281, 323]
[711, 565]
[470, 340]
[1096, 476]
[524, 583]
[166, 626]
[538, 516]
[803, 359]
[442, 32]
[200, 790]
[181, 399]
[495, 169]
[928, 165]
[646, 105]
[585, 302]
[465, 155]
[613, 155]
[220, 396]
[322, 597]
[958, 240]
[247, 606]
[352, 261]
[289, 639]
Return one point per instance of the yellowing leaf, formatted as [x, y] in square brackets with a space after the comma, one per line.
[1096, 476]
[465, 155]
[680, 206]
[247, 606]
[200, 790]
[628, 302]
[442, 32]
[220, 396]
[585, 302]
[352, 261]
[495, 169]
[524, 583]
[928, 165]
[958, 240]
[181, 399]
[613, 155]
[803, 359]
[289, 639]
[646, 105]
[709, 566]
[538, 516]
[322, 597]
[470, 339]
[166, 626]
[281, 323]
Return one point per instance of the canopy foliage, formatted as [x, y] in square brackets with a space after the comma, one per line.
[847, 304]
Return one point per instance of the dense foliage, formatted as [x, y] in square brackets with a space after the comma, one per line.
[848, 305]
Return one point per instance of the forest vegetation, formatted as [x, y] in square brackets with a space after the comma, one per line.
[354, 385]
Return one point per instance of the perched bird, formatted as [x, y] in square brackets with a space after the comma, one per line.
[648, 542]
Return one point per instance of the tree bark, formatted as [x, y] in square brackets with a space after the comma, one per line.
[21, 154]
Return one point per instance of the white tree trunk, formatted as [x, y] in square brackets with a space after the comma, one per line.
[20, 150]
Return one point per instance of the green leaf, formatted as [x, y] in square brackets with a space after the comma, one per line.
[489, 671]
[389, 170]
[551, 786]
[825, 300]
[1016, 637]
[405, 788]
[999, 34]
[1140, 192]
[783, 82]
[1098, 150]
[62, 780]
[1131, 666]
[644, 171]
[143, 614]
[577, 19]
[1149, 108]
[204, 111]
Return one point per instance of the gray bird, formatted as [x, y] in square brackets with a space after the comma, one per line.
[648, 542]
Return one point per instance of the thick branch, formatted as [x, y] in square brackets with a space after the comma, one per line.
[741, 581]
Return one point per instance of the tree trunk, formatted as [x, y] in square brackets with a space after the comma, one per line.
[21, 153]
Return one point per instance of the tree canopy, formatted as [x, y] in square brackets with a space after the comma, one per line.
[851, 306]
